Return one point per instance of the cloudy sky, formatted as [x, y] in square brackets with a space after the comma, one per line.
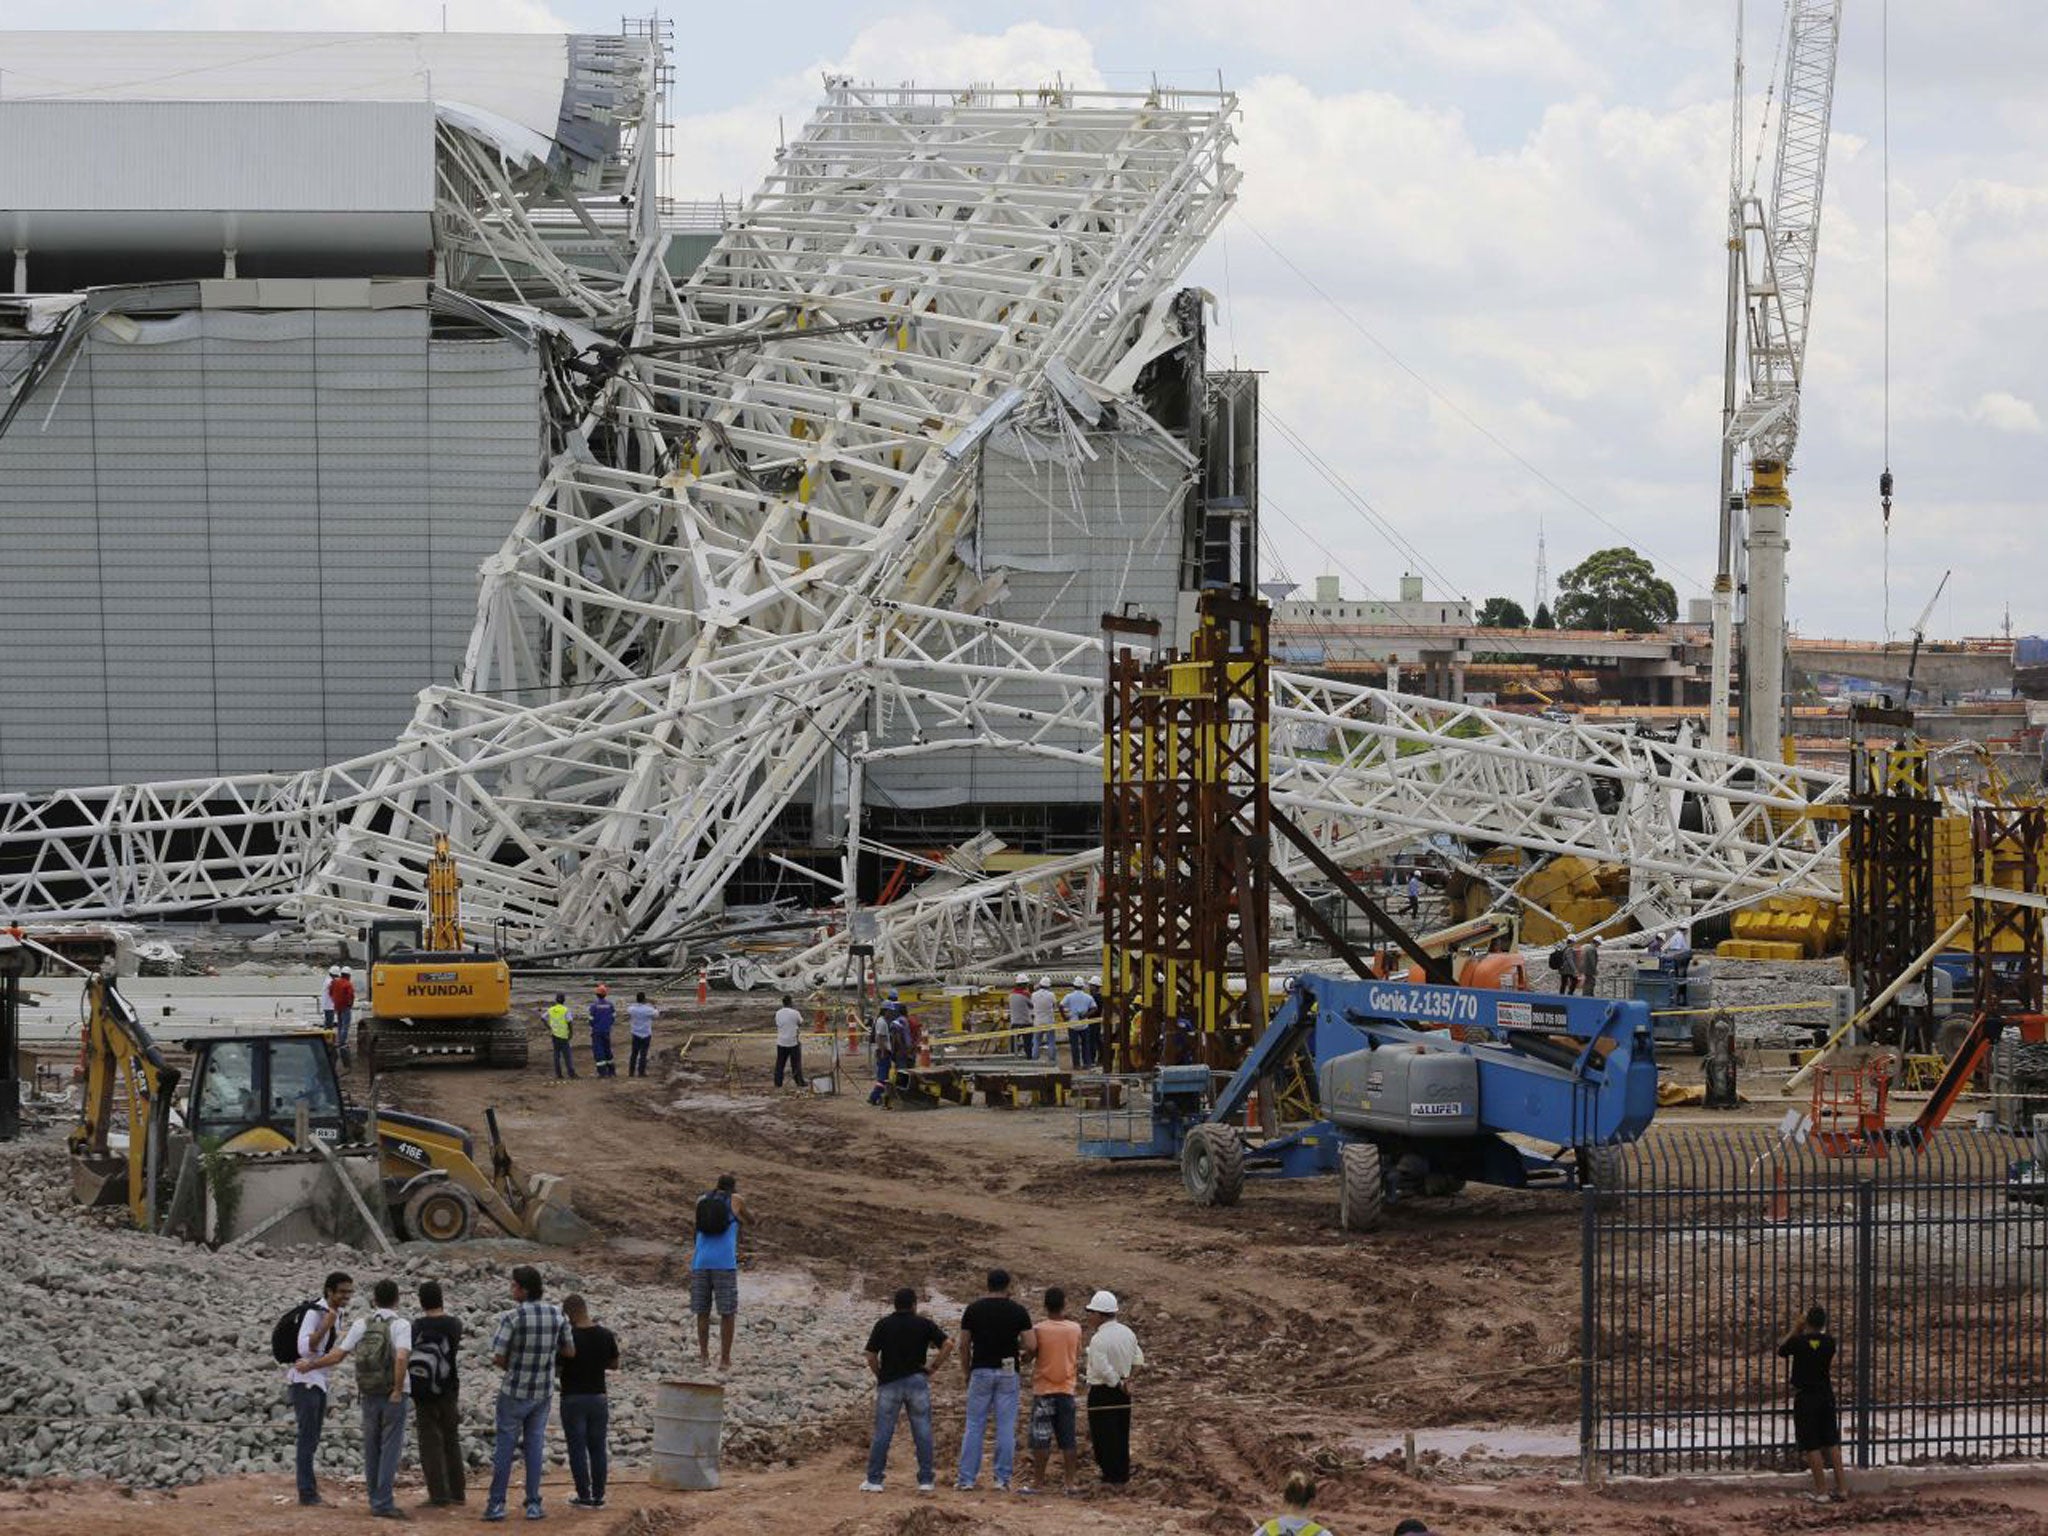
[1479, 253]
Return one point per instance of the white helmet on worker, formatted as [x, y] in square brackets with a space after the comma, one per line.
[344, 970]
[1079, 982]
[1023, 979]
[1103, 1302]
[334, 970]
[1094, 981]
[1045, 981]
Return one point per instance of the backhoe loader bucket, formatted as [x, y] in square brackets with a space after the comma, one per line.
[549, 1216]
[99, 1180]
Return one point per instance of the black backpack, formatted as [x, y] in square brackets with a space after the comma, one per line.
[432, 1365]
[284, 1335]
[714, 1213]
[1557, 958]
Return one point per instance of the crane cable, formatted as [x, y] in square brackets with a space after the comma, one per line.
[1884, 480]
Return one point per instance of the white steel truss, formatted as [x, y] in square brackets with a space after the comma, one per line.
[742, 559]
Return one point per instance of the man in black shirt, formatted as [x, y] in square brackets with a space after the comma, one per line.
[997, 1332]
[1815, 1426]
[586, 1410]
[436, 1407]
[897, 1349]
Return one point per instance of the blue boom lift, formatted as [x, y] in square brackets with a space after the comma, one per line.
[1417, 1089]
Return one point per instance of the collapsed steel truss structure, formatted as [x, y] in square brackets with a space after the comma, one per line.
[742, 568]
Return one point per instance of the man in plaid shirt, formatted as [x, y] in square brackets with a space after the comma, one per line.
[530, 1338]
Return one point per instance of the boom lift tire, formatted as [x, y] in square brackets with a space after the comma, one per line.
[1361, 1187]
[1607, 1172]
[1212, 1165]
[440, 1213]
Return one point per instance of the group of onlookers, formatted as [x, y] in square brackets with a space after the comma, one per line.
[400, 1362]
[906, 1349]
[600, 1017]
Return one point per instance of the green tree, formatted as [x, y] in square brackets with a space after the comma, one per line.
[1614, 589]
[1543, 618]
[1502, 613]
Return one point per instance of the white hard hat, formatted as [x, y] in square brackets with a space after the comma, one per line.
[334, 970]
[1023, 980]
[1045, 981]
[1094, 981]
[1079, 982]
[1103, 1302]
[344, 970]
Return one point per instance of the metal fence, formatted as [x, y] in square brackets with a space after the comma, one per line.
[1933, 1269]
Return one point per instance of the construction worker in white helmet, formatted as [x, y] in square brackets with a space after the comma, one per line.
[1020, 1015]
[1045, 1015]
[1078, 1005]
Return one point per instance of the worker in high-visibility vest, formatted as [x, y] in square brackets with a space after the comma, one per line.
[561, 1029]
[1301, 1488]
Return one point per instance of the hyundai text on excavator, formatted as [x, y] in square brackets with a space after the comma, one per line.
[431, 998]
[227, 1161]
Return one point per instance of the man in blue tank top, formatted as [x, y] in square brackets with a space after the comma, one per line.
[715, 1267]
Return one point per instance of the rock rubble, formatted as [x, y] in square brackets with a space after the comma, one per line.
[148, 1362]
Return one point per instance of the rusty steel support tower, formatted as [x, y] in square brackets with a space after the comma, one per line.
[1889, 881]
[1186, 828]
[2008, 845]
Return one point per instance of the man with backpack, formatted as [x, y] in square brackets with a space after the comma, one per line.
[436, 1405]
[1564, 959]
[380, 1345]
[301, 1335]
[715, 1267]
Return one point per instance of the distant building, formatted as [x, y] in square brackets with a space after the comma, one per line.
[1330, 606]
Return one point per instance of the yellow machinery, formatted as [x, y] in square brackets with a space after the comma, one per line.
[242, 1114]
[431, 998]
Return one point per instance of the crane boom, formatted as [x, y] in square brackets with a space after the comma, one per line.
[1775, 256]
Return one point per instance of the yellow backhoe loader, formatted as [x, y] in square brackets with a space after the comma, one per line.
[264, 1143]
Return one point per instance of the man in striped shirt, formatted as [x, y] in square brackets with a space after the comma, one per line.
[530, 1339]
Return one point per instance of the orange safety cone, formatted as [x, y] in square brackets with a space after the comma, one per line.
[852, 1032]
[703, 984]
[924, 1053]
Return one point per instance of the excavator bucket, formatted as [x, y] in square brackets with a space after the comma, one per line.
[549, 1216]
[99, 1180]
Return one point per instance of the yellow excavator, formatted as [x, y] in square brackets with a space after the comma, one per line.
[228, 1162]
[432, 999]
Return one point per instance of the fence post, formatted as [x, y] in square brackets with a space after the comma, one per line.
[1866, 1313]
[1589, 1244]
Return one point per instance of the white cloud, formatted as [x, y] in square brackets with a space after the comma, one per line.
[2006, 412]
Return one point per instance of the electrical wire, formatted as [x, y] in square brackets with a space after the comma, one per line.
[1466, 416]
[1884, 480]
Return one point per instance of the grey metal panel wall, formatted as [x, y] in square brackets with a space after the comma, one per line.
[245, 541]
[178, 156]
[1110, 531]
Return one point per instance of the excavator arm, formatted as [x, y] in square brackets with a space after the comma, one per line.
[122, 1063]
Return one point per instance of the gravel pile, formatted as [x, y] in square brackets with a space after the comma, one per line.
[148, 1362]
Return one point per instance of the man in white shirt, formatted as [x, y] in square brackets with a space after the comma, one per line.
[1079, 1006]
[307, 1389]
[382, 1346]
[640, 1022]
[1045, 1014]
[789, 1041]
[1113, 1354]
